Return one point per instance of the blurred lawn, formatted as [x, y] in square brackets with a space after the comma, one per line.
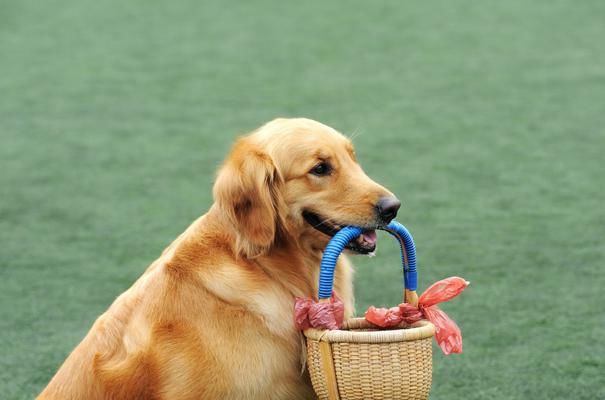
[486, 118]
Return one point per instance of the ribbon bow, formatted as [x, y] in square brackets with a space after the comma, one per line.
[447, 333]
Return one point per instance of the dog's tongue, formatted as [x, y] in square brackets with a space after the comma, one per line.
[369, 237]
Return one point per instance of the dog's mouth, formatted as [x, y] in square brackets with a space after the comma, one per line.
[363, 244]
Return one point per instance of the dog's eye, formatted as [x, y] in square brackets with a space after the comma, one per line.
[321, 169]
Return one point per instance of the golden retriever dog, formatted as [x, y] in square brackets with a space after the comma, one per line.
[212, 317]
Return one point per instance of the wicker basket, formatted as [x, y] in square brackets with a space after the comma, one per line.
[361, 361]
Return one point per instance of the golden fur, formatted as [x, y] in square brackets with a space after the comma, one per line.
[212, 317]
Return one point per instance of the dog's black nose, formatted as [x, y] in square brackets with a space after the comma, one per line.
[387, 208]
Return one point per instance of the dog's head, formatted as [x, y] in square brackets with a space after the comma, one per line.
[297, 179]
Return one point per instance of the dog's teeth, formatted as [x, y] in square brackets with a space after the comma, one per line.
[372, 254]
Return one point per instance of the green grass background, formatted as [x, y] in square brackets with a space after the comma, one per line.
[486, 118]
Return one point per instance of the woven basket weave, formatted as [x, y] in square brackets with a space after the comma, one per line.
[356, 363]
[363, 362]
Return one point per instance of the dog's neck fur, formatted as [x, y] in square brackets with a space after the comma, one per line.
[293, 262]
[204, 256]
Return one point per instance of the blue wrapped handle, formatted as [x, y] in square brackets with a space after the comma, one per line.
[348, 233]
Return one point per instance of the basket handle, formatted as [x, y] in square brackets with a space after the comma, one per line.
[348, 233]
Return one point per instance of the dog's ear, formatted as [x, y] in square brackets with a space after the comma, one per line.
[247, 192]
